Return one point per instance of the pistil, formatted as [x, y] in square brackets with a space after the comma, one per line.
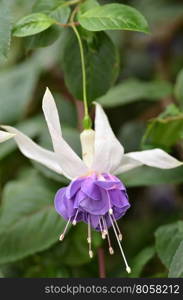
[128, 269]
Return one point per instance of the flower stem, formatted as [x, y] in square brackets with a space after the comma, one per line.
[86, 120]
[83, 69]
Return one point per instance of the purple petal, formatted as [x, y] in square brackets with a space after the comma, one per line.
[95, 207]
[58, 200]
[94, 221]
[78, 198]
[118, 198]
[119, 212]
[108, 185]
[74, 187]
[90, 189]
[64, 206]
[109, 182]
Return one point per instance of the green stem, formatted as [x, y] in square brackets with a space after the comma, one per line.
[86, 120]
[83, 70]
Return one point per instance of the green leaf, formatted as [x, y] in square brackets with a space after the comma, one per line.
[5, 30]
[168, 239]
[132, 128]
[101, 62]
[113, 16]
[66, 109]
[141, 260]
[165, 130]
[179, 88]
[17, 86]
[43, 39]
[28, 221]
[144, 176]
[86, 5]
[46, 5]
[132, 90]
[61, 14]
[32, 24]
[176, 266]
[56, 9]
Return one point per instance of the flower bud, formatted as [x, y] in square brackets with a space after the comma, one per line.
[87, 143]
[87, 123]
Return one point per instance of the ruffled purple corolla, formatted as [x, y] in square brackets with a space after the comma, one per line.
[98, 200]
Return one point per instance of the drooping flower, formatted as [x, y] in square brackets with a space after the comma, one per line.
[95, 195]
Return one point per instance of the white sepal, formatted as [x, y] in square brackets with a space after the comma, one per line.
[51, 116]
[72, 165]
[33, 151]
[4, 136]
[154, 158]
[108, 150]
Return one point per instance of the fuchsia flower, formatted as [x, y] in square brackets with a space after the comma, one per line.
[95, 195]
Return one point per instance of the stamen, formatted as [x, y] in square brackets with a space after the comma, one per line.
[100, 225]
[89, 239]
[111, 251]
[128, 269]
[119, 232]
[74, 222]
[110, 206]
[65, 229]
[103, 235]
[111, 211]
[101, 229]
[104, 226]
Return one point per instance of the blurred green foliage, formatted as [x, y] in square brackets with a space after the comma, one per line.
[138, 78]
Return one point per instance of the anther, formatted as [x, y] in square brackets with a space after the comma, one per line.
[103, 235]
[65, 229]
[88, 240]
[111, 251]
[110, 211]
[90, 253]
[61, 237]
[120, 237]
[74, 222]
[101, 229]
[105, 231]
